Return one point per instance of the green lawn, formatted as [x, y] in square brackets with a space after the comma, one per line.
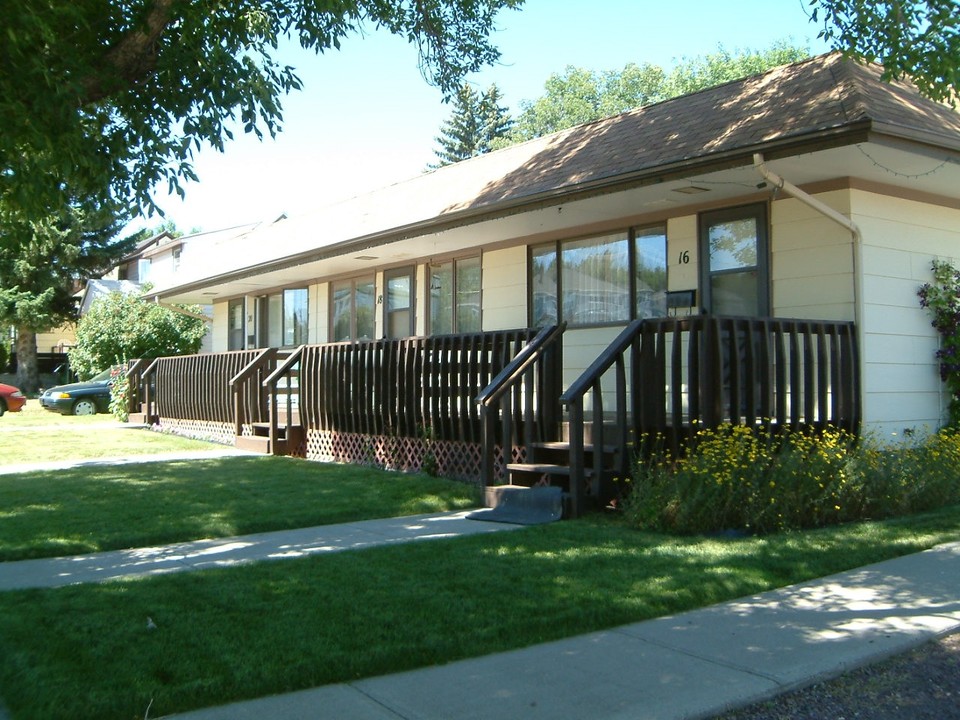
[88, 509]
[35, 435]
[243, 632]
[225, 635]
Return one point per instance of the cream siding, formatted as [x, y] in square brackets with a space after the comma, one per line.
[504, 295]
[811, 261]
[57, 340]
[219, 332]
[581, 346]
[901, 383]
[682, 245]
[319, 313]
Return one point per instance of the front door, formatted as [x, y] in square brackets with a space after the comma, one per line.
[398, 308]
[735, 261]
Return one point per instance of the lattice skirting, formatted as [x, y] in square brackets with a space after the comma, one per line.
[452, 459]
[218, 432]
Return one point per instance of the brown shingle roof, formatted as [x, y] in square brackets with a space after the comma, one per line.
[807, 101]
[823, 101]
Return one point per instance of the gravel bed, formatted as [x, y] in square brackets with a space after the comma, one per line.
[923, 684]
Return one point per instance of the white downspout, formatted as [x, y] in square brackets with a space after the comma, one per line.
[827, 211]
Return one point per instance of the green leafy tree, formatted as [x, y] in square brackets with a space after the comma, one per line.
[579, 95]
[44, 266]
[474, 126]
[919, 40]
[108, 98]
[123, 326]
[703, 71]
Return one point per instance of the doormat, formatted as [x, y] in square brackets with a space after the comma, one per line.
[523, 506]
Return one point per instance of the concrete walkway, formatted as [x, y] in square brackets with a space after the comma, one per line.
[224, 552]
[693, 665]
[212, 454]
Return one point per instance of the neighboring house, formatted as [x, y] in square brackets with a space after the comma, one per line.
[162, 260]
[813, 191]
[102, 287]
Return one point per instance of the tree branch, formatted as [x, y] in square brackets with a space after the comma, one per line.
[131, 59]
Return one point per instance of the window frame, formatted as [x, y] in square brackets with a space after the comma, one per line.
[353, 282]
[759, 212]
[263, 327]
[455, 264]
[556, 248]
[407, 271]
[232, 305]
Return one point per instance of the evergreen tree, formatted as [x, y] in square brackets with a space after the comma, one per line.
[42, 267]
[473, 126]
[497, 122]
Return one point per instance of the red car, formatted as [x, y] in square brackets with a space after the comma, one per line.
[10, 399]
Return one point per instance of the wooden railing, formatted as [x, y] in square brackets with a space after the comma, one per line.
[134, 377]
[405, 387]
[194, 387]
[249, 395]
[673, 376]
[284, 382]
[520, 406]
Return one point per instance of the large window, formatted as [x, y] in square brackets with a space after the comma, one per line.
[282, 318]
[600, 280]
[455, 296]
[733, 243]
[351, 309]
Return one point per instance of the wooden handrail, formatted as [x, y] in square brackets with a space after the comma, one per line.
[271, 383]
[265, 356]
[284, 367]
[604, 362]
[497, 399]
[516, 367]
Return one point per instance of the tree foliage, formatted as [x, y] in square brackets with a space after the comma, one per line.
[917, 39]
[941, 298]
[475, 124]
[107, 98]
[123, 326]
[579, 95]
[43, 265]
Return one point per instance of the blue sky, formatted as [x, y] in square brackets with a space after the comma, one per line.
[366, 118]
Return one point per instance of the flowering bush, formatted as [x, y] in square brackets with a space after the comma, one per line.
[942, 299]
[759, 481]
[119, 394]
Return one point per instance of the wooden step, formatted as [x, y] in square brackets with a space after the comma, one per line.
[560, 445]
[544, 469]
[253, 443]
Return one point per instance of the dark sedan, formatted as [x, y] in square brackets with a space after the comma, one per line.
[82, 398]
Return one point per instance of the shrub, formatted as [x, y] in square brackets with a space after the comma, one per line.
[759, 481]
[120, 395]
[941, 299]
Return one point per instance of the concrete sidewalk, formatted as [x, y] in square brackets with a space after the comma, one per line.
[224, 552]
[172, 456]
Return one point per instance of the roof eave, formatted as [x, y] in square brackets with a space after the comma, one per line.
[784, 147]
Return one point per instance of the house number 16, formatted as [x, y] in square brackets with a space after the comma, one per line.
[684, 258]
